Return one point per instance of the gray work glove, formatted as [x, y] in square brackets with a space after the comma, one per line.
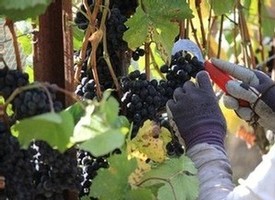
[252, 86]
[195, 114]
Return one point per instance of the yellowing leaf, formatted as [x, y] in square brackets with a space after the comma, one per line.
[151, 140]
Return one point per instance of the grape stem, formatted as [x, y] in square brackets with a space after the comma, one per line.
[194, 31]
[160, 179]
[198, 8]
[167, 180]
[90, 30]
[220, 37]
[147, 59]
[45, 87]
[247, 45]
[260, 28]
[155, 65]
[9, 23]
[105, 49]
[95, 39]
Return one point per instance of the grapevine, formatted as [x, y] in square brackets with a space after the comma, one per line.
[115, 140]
[100, 67]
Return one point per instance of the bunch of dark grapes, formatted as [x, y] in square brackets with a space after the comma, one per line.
[271, 63]
[34, 102]
[90, 165]
[115, 29]
[115, 26]
[174, 147]
[10, 80]
[55, 172]
[126, 7]
[142, 98]
[38, 172]
[80, 19]
[15, 167]
[138, 53]
[183, 66]
[87, 86]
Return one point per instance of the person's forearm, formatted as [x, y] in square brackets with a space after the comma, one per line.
[214, 171]
[215, 178]
[260, 184]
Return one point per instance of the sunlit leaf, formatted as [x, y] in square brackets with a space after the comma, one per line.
[54, 128]
[113, 181]
[175, 174]
[23, 9]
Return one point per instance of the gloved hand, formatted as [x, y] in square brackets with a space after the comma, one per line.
[253, 86]
[195, 114]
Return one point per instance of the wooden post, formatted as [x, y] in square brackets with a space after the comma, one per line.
[53, 54]
[53, 51]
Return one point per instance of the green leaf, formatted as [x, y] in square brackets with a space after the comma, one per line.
[23, 9]
[140, 193]
[26, 44]
[138, 29]
[78, 36]
[221, 7]
[76, 110]
[153, 23]
[111, 109]
[101, 129]
[174, 10]
[54, 128]
[176, 174]
[103, 144]
[112, 183]
[164, 39]
[268, 25]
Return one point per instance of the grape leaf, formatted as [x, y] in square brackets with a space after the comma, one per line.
[138, 29]
[113, 181]
[76, 110]
[104, 143]
[78, 36]
[146, 141]
[268, 26]
[140, 193]
[101, 129]
[153, 23]
[54, 128]
[179, 178]
[23, 9]
[221, 7]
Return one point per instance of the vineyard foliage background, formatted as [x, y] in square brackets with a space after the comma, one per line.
[234, 30]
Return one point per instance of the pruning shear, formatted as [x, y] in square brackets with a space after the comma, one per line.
[217, 75]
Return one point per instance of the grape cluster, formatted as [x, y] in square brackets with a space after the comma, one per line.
[270, 63]
[34, 102]
[90, 165]
[87, 86]
[10, 80]
[15, 167]
[173, 148]
[80, 19]
[126, 7]
[114, 30]
[138, 53]
[38, 172]
[182, 67]
[55, 172]
[142, 98]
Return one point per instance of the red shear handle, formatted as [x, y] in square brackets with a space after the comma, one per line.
[221, 78]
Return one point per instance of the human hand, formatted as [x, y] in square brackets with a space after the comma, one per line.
[252, 86]
[195, 114]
